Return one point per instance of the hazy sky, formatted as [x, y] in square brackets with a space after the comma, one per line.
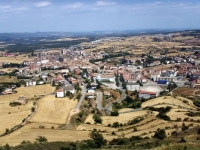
[94, 15]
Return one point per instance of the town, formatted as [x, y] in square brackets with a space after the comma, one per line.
[121, 86]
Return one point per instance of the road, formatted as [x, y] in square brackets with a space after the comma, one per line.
[99, 100]
[83, 92]
[123, 96]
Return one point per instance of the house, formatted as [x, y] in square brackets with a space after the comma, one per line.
[60, 93]
[30, 83]
[69, 88]
[132, 86]
[106, 78]
[90, 93]
[8, 91]
[149, 91]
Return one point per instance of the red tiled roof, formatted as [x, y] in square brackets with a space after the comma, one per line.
[146, 92]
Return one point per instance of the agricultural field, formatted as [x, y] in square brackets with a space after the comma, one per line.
[7, 79]
[12, 116]
[15, 59]
[122, 118]
[170, 101]
[30, 92]
[53, 110]
[184, 91]
[7, 70]
[29, 132]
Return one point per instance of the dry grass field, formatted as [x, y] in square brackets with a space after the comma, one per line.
[29, 92]
[184, 91]
[7, 70]
[170, 101]
[7, 79]
[53, 110]
[12, 116]
[122, 118]
[15, 59]
[30, 133]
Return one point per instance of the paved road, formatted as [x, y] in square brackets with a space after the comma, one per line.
[99, 100]
[123, 96]
[83, 92]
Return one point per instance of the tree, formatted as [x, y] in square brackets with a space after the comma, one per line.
[114, 113]
[115, 124]
[32, 109]
[41, 139]
[98, 138]
[160, 134]
[97, 119]
[198, 131]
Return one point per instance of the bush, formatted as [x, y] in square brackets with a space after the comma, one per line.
[41, 139]
[160, 134]
[115, 124]
[114, 113]
[120, 141]
[97, 119]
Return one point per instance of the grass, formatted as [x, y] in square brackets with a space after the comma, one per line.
[53, 110]
[7, 79]
[12, 116]
[29, 92]
[184, 91]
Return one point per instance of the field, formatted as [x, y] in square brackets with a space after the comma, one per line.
[11, 116]
[7, 79]
[184, 91]
[122, 118]
[15, 59]
[7, 70]
[53, 110]
[29, 132]
[170, 101]
[29, 92]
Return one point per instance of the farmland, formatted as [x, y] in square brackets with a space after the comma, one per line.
[30, 92]
[53, 110]
[12, 116]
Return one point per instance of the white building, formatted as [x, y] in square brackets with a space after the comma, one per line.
[30, 83]
[60, 93]
[149, 91]
[131, 86]
[106, 78]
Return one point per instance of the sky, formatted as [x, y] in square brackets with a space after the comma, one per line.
[97, 15]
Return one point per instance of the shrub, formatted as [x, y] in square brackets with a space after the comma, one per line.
[115, 124]
[160, 134]
[41, 139]
[97, 119]
[114, 113]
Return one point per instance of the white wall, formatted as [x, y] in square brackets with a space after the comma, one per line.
[60, 94]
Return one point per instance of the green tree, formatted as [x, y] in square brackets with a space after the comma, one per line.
[160, 134]
[97, 119]
[98, 138]
[115, 124]
[41, 139]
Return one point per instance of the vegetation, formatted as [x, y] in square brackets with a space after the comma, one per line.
[97, 119]
[160, 134]
[162, 112]
[129, 102]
